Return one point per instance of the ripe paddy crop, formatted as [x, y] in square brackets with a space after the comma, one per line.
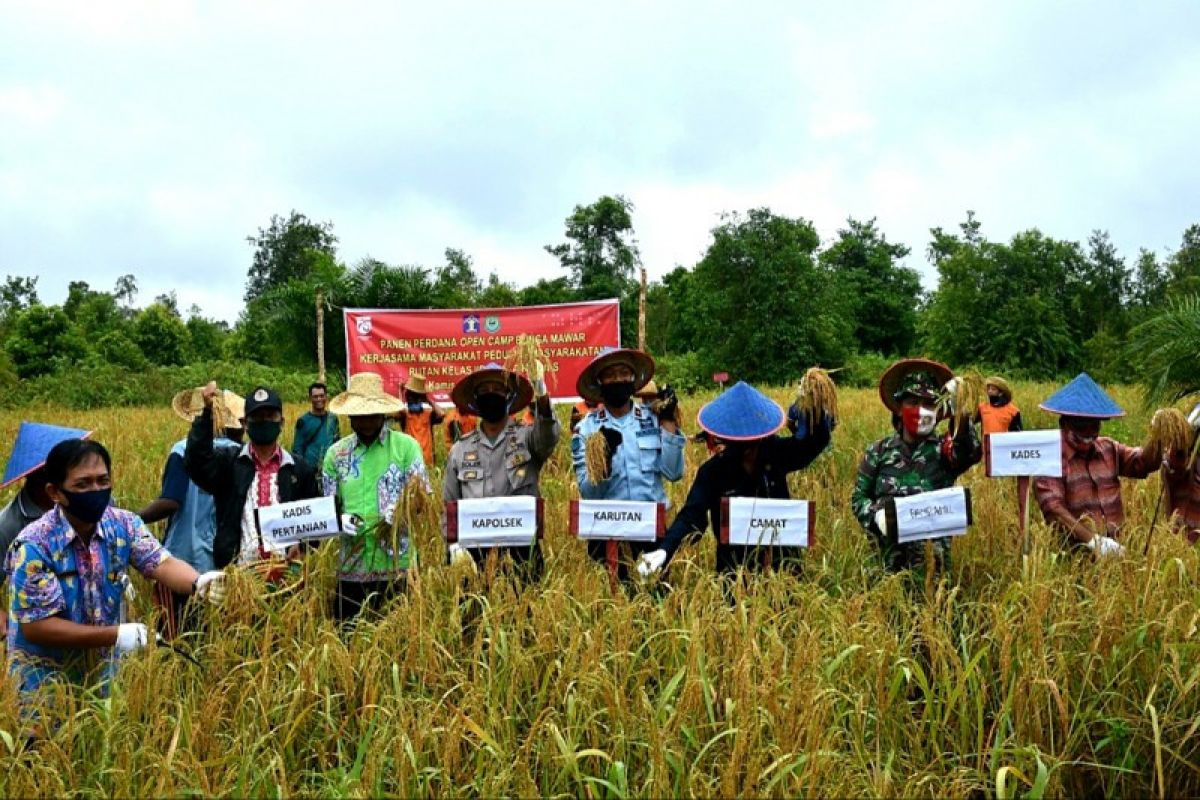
[1037, 676]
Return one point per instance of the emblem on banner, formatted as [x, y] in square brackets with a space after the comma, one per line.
[363, 326]
[492, 324]
[470, 323]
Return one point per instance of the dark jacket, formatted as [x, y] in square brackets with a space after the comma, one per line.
[724, 476]
[228, 476]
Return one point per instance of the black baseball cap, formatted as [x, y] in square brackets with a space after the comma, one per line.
[262, 397]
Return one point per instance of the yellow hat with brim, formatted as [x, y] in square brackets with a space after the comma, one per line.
[364, 397]
[189, 404]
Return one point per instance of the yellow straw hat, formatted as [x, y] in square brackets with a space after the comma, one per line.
[189, 404]
[364, 396]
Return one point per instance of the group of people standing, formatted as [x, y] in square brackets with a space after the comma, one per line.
[71, 549]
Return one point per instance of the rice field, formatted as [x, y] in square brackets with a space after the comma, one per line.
[1037, 676]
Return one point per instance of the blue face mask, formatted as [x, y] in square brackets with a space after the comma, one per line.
[87, 506]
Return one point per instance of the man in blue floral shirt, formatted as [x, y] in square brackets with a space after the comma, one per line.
[68, 572]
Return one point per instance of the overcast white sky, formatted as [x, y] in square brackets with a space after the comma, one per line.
[153, 137]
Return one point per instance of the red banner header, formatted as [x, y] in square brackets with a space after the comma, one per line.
[446, 344]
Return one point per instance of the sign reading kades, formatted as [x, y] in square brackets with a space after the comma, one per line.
[624, 520]
[1035, 454]
[931, 515]
[494, 521]
[285, 524]
[444, 345]
[767, 522]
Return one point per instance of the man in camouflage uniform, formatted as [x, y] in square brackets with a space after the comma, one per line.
[912, 460]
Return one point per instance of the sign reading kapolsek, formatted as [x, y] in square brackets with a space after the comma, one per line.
[494, 521]
[286, 524]
[931, 515]
[624, 520]
[767, 522]
[1035, 454]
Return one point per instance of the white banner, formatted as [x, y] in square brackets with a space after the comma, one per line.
[1025, 453]
[287, 524]
[497, 522]
[931, 515]
[762, 522]
[627, 520]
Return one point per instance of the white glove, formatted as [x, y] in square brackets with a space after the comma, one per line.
[881, 521]
[652, 562]
[1105, 546]
[539, 380]
[131, 636]
[211, 586]
[458, 554]
[349, 524]
[1194, 417]
[950, 389]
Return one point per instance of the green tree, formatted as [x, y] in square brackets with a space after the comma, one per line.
[42, 340]
[877, 293]
[601, 256]
[207, 336]
[1149, 283]
[1183, 266]
[118, 349]
[760, 287]
[17, 293]
[498, 294]
[161, 335]
[546, 292]
[455, 284]
[286, 250]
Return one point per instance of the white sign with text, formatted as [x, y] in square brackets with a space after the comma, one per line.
[497, 522]
[763, 522]
[1035, 454]
[627, 520]
[932, 515]
[286, 524]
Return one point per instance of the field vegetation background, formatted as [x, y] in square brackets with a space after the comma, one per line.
[1039, 676]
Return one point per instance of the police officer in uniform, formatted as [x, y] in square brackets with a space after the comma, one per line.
[501, 458]
[643, 449]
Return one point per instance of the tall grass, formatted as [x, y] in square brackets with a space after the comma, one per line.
[1040, 676]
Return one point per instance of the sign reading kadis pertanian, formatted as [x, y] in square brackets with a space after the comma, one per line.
[494, 521]
[1036, 454]
[931, 515]
[285, 524]
[767, 522]
[446, 344]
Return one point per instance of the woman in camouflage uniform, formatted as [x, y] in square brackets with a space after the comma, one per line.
[912, 460]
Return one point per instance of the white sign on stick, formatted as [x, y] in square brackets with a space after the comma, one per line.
[287, 524]
[932, 515]
[768, 522]
[1035, 454]
[626, 520]
[497, 522]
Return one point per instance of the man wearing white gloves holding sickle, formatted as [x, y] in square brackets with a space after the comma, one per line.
[68, 572]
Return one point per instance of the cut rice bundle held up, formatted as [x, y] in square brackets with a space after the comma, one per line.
[817, 395]
[1170, 434]
[968, 392]
[525, 358]
[595, 453]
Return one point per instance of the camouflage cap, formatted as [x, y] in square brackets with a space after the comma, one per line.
[919, 377]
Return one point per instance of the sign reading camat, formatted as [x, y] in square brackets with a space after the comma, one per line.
[626, 520]
[768, 522]
[497, 522]
[1035, 454]
[286, 524]
[932, 515]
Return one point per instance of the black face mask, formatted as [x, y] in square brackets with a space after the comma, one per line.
[264, 432]
[997, 402]
[492, 407]
[88, 506]
[616, 395]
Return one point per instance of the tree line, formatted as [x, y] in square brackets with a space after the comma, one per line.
[1033, 306]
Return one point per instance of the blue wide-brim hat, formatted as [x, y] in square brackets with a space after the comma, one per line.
[742, 413]
[33, 444]
[1082, 397]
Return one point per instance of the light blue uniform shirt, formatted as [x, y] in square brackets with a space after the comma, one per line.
[192, 528]
[647, 455]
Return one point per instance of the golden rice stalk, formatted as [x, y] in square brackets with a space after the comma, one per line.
[595, 455]
[526, 356]
[817, 395]
[416, 506]
[969, 392]
[1170, 434]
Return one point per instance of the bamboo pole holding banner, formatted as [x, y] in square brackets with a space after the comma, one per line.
[320, 336]
[642, 313]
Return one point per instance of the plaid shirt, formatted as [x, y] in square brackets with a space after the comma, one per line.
[1090, 485]
[1183, 488]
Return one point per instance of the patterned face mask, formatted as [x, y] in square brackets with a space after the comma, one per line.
[918, 421]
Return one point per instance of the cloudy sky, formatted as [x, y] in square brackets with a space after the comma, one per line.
[153, 137]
